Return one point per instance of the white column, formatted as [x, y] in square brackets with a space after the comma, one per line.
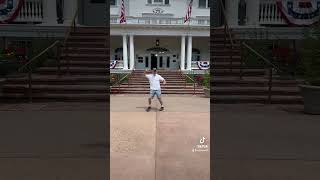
[232, 7]
[253, 12]
[125, 52]
[69, 10]
[132, 52]
[189, 53]
[49, 12]
[183, 52]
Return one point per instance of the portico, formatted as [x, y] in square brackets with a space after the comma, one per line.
[172, 48]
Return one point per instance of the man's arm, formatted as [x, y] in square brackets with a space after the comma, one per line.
[163, 80]
[146, 73]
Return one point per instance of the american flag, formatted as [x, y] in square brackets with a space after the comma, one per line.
[188, 15]
[123, 13]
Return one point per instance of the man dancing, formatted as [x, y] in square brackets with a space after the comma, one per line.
[155, 88]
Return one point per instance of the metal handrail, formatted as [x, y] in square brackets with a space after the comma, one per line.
[227, 31]
[271, 67]
[193, 82]
[30, 70]
[262, 57]
[118, 83]
[37, 56]
[226, 23]
[72, 26]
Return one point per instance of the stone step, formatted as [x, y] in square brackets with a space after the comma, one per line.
[237, 99]
[164, 87]
[85, 97]
[86, 50]
[233, 72]
[73, 71]
[76, 37]
[38, 79]
[256, 82]
[115, 91]
[20, 88]
[251, 91]
[87, 44]
[85, 57]
[80, 63]
[227, 57]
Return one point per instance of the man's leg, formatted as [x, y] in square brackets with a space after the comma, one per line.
[152, 93]
[160, 100]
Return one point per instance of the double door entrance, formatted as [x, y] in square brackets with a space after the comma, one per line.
[162, 62]
[158, 61]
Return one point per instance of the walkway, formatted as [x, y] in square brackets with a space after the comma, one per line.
[265, 142]
[158, 145]
[53, 141]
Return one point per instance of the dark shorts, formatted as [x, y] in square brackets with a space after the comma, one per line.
[155, 92]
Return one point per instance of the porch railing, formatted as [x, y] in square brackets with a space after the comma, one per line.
[162, 21]
[31, 12]
[269, 13]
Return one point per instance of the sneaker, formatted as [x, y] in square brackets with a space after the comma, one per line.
[148, 109]
[161, 109]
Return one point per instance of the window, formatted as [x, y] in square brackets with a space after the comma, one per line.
[147, 61]
[168, 62]
[195, 54]
[161, 61]
[113, 2]
[203, 3]
[118, 54]
[166, 2]
[98, 1]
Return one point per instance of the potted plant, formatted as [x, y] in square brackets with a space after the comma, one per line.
[206, 85]
[310, 90]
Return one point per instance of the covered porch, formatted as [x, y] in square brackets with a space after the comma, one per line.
[130, 52]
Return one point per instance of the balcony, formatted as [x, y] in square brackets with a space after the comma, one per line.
[269, 14]
[162, 21]
[33, 12]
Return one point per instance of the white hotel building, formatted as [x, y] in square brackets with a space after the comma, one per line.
[155, 35]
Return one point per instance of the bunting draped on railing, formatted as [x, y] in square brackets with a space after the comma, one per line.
[9, 10]
[113, 64]
[299, 12]
[203, 65]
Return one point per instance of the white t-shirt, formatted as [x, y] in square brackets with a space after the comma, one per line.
[154, 81]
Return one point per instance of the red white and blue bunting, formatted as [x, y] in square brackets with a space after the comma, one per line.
[203, 65]
[9, 10]
[113, 64]
[299, 12]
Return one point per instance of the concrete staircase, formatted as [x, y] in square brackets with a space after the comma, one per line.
[176, 84]
[227, 87]
[87, 79]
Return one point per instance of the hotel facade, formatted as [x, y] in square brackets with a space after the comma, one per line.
[154, 35]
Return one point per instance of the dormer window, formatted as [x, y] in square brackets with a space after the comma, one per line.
[160, 2]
